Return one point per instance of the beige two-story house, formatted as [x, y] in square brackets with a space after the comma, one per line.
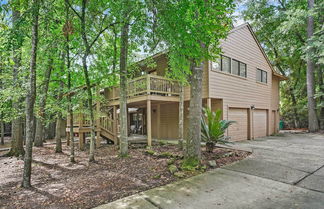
[242, 83]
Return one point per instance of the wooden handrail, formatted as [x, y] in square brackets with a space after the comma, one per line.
[149, 85]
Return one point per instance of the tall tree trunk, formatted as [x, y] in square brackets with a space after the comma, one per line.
[181, 108]
[193, 139]
[294, 104]
[2, 124]
[86, 75]
[68, 66]
[321, 101]
[92, 122]
[31, 95]
[2, 130]
[123, 91]
[115, 50]
[40, 124]
[58, 137]
[17, 140]
[59, 123]
[312, 117]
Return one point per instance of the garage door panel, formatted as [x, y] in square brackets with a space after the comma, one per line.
[259, 123]
[239, 130]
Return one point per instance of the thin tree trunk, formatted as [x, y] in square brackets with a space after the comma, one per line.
[2, 129]
[294, 104]
[58, 137]
[89, 92]
[193, 139]
[2, 124]
[312, 117]
[30, 99]
[40, 124]
[123, 91]
[86, 75]
[58, 129]
[321, 101]
[115, 50]
[181, 108]
[70, 109]
[17, 140]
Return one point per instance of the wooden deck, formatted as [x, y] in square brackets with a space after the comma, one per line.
[147, 87]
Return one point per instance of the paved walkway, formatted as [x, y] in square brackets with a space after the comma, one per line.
[282, 173]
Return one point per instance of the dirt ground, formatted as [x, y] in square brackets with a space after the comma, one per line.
[60, 184]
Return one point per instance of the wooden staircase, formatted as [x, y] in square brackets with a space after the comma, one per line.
[105, 126]
[108, 129]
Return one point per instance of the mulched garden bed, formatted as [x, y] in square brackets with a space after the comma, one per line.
[59, 184]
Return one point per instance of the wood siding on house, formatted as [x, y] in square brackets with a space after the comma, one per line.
[254, 105]
[169, 121]
[240, 92]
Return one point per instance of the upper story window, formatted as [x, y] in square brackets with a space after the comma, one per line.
[261, 76]
[238, 68]
[228, 65]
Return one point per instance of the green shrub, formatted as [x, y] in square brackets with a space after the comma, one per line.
[213, 128]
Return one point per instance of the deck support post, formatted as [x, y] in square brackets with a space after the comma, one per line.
[81, 134]
[81, 140]
[158, 111]
[115, 123]
[148, 124]
[209, 103]
[181, 108]
[98, 139]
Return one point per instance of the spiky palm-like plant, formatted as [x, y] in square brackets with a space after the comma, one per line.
[213, 128]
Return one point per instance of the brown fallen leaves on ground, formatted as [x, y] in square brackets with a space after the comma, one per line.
[60, 184]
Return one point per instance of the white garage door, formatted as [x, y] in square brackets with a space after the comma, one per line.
[259, 123]
[239, 130]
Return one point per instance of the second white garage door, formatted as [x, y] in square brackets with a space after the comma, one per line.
[259, 123]
[239, 130]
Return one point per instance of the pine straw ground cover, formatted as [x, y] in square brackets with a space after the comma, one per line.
[59, 184]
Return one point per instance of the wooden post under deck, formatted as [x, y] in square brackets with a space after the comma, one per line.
[115, 122]
[158, 110]
[98, 138]
[81, 134]
[81, 140]
[209, 104]
[181, 108]
[148, 123]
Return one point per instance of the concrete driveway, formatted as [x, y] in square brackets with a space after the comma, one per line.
[283, 172]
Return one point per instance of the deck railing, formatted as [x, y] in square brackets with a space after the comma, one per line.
[79, 120]
[148, 85]
[107, 124]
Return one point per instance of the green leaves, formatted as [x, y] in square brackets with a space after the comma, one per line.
[192, 31]
[213, 128]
